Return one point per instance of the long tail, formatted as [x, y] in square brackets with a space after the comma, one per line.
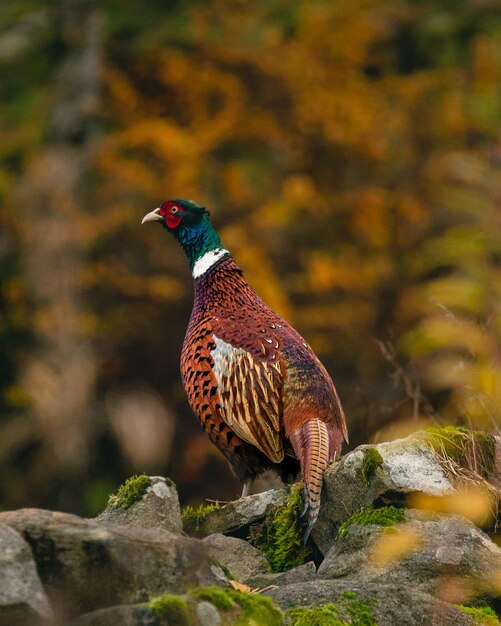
[312, 447]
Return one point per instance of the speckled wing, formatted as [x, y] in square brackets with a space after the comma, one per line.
[250, 382]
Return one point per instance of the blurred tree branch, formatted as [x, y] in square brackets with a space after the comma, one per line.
[60, 369]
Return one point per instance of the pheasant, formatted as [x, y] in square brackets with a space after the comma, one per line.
[256, 386]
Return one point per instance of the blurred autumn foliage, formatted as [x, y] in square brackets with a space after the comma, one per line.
[350, 153]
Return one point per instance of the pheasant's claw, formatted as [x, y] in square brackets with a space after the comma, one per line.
[308, 531]
[246, 489]
[306, 505]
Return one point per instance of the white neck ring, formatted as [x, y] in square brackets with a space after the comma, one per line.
[207, 260]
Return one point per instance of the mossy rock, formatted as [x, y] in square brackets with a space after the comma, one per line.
[131, 491]
[348, 610]
[415, 554]
[433, 462]
[234, 608]
[342, 603]
[247, 609]
[145, 502]
[484, 616]
[280, 535]
[232, 518]
[371, 463]
[220, 598]
[384, 516]
[172, 608]
[194, 518]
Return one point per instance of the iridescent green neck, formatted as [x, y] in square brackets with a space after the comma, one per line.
[199, 239]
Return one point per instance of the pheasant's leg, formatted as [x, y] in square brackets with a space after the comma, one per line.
[247, 488]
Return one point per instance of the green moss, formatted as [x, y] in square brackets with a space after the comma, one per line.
[131, 491]
[483, 615]
[455, 442]
[384, 516]
[255, 610]
[325, 615]
[348, 610]
[372, 461]
[450, 440]
[279, 536]
[193, 518]
[220, 598]
[359, 610]
[172, 608]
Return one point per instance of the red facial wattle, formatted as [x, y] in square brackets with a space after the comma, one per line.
[173, 221]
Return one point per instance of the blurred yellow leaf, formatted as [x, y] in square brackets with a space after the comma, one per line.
[240, 586]
[394, 546]
[475, 503]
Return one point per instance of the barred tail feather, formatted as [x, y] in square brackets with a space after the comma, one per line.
[311, 445]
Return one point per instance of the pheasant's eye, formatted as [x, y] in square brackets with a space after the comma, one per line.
[174, 209]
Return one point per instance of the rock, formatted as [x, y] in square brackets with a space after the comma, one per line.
[387, 605]
[238, 556]
[200, 607]
[201, 614]
[391, 566]
[157, 508]
[429, 550]
[123, 615]
[207, 614]
[85, 564]
[234, 515]
[303, 573]
[408, 466]
[22, 597]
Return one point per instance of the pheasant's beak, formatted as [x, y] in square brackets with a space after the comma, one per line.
[154, 216]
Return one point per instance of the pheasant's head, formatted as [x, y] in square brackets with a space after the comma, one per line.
[189, 223]
[177, 214]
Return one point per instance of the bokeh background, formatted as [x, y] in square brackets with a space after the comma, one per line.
[350, 154]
